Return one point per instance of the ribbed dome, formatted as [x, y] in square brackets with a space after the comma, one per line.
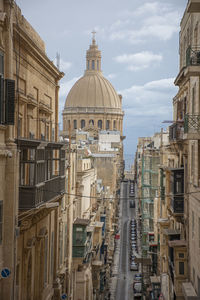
[93, 90]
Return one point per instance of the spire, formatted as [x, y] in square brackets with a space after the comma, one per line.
[93, 37]
[93, 57]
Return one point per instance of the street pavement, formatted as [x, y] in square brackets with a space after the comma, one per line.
[122, 281]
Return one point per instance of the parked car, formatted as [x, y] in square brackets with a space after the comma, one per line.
[133, 267]
[137, 277]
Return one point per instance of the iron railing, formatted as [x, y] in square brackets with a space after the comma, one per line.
[191, 123]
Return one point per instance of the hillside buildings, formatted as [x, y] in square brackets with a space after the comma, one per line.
[58, 207]
[176, 204]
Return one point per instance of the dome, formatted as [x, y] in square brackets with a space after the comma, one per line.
[93, 90]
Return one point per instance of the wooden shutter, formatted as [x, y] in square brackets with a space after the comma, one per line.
[10, 101]
[2, 104]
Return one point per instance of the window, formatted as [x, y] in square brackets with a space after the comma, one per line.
[61, 244]
[193, 99]
[47, 132]
[192, 160]
[75, 124]
[27, 167]
[181, 255]
[1, 221]
[199, 232]
[88, 64]
[114, 124]
[52, 253]
[92, 64]
[45, 260]
[100, 124]
[97, 65]
[1, 64]
[82, 123]
[181, 267]
[79, 235]
[107, 125]
[192, 224]
[65, 250]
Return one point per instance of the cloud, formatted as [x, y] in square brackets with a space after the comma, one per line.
[111, 76]
[139, 61]
[153, 99]
[150, 20]
[64, 65]
[66, 86]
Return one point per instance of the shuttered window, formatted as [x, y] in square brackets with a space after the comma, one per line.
[1, 221]
[10, 101]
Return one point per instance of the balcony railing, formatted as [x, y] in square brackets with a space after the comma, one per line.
[176, 131]
[192, 124]
[193, 56]
[34, 196]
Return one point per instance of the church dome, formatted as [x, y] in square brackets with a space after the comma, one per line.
[93, 90]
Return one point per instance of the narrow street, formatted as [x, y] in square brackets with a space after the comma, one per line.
[125, 278]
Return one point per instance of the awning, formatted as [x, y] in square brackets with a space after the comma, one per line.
[171, 231]
[189, 291]
[177, 243]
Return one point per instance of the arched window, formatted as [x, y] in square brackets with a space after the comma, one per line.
[100, 124]
[88, 64]
[97, 65]
[114, 125]
[75, 124]
[92, 64]
[82, 123]
[91, 122]
[107, 125]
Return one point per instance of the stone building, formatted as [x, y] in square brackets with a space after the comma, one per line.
[32, 182]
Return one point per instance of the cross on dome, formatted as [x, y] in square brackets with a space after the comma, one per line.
[93, 36]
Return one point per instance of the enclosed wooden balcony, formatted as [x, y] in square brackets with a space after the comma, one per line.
[176, 131]
[42, 172]
[177, 191]
[82, 240]
[192, 127]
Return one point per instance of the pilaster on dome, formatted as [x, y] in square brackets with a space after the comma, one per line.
[93, 57]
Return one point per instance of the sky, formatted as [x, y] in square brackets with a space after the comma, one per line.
[139, 40]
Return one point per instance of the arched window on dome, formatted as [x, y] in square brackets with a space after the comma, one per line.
[82, 123]
[100, 124]
[75, 124]
[107, 125]
[91, 122]
[88, 64]
[114, 125]
[92, 64]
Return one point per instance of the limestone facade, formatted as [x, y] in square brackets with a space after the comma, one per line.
[32, 181]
